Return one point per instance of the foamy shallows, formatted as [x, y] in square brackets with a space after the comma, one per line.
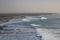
[48, 34]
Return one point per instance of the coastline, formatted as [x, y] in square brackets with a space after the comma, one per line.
[7, 18]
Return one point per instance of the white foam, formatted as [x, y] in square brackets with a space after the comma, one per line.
[28, 19]
[46, 34]
[25, 20]
[43, 18]
[36, 18]
[35, 25]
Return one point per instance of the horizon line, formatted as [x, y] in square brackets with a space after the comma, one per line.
[22, 14]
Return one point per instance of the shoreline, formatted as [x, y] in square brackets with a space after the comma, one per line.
[7, 18]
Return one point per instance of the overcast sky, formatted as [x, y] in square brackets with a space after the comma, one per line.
[29, 6]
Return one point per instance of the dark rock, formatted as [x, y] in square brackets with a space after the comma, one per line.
[2, 27]
[39, 36]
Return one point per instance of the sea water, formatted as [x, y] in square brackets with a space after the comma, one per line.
[48, 26]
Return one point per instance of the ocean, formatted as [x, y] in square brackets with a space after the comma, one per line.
[48, 26]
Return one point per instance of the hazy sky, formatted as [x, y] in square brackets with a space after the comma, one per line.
[29, 6]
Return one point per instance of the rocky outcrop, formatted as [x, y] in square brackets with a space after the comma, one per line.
[7, 18]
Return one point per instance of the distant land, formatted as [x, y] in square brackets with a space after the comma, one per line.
[4, 17]
[17, 14]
